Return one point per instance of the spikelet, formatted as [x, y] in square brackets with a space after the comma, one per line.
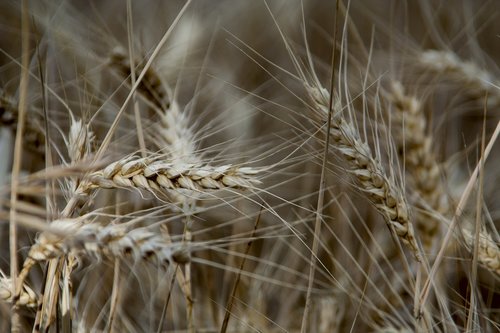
[173, 136]
[371, 177]
[80, 140]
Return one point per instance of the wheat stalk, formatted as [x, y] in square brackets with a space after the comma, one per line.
[371, 177]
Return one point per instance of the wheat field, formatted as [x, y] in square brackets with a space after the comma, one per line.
[250, 166]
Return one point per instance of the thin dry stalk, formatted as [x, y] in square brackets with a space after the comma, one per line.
[414, 146]
[16, 165]
[230, 302]
[381, 190]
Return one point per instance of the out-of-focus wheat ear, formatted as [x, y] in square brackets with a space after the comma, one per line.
[414, 146]
[150, 175]
[71, 236]
[468, 75]
[152, 87]
[384, 193]
[26, 298]
[489, 250]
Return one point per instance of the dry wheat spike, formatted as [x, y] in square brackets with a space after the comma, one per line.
[371, 177]
[144, 173]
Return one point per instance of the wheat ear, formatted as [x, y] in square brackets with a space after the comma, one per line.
[133, 172]
[371, 177]
[414, 146]
[489, 251]
[466, 73]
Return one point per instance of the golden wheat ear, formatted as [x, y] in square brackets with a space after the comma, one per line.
[159, 175]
